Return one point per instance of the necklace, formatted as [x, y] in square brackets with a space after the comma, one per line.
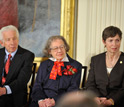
[111, 60]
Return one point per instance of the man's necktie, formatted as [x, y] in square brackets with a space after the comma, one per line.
[6, 69]
[56, 70]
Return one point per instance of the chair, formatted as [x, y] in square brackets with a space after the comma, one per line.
[83, 77]
[32, 81]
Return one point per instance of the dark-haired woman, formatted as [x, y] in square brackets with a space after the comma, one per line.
[106, 74]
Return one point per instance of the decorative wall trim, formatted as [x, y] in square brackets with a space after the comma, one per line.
[67, 22]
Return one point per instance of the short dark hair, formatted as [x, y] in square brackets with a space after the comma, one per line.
[111, 31]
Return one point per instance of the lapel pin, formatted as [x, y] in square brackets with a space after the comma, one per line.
[121, 62]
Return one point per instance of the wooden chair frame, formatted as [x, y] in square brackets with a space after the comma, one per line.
[32, 81]
[83, 81]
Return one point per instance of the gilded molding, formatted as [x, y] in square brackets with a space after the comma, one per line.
[67, 22]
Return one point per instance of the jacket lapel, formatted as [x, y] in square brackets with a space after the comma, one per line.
[117, 66]
[101, 65]
[14, 64]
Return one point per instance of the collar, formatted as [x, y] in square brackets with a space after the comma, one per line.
[12, 54]
[65, 59]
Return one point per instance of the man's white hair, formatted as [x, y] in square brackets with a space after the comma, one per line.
[7, 28]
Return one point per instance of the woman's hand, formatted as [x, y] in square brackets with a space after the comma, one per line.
[104, 101]
[100, 100]
[42, 103]
[47, 103]
[50, 102]
[97, 99]
[109, 102]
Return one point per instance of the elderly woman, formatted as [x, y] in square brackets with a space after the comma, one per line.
[106, 75]
[57, 75]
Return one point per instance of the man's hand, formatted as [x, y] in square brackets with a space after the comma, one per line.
[2, 91]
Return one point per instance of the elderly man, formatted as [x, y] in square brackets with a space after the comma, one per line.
[15, 69]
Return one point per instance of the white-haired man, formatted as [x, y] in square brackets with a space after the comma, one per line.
[15, 69]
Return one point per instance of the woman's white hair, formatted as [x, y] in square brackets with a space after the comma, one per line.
[7, 28]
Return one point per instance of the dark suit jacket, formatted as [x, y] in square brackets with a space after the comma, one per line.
[18, 75]
[48, 88]
[111, 86]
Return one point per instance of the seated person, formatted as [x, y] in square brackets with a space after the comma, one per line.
[57, 75]
[106, 74]
[15, 69]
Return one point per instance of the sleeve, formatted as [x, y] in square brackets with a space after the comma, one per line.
[38, 92]
[91, 84]
[8, 89]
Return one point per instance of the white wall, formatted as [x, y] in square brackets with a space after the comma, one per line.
[93, 17]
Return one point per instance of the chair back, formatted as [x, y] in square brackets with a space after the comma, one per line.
[83, 77]
[32, 81]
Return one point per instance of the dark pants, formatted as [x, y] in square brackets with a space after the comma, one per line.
[10, 101]
[6, 101]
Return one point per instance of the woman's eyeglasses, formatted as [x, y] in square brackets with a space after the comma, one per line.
[56, 48]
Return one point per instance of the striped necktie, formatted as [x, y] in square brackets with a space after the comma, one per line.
[7, 65]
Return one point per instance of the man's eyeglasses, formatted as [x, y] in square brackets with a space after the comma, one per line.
[56, 48]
